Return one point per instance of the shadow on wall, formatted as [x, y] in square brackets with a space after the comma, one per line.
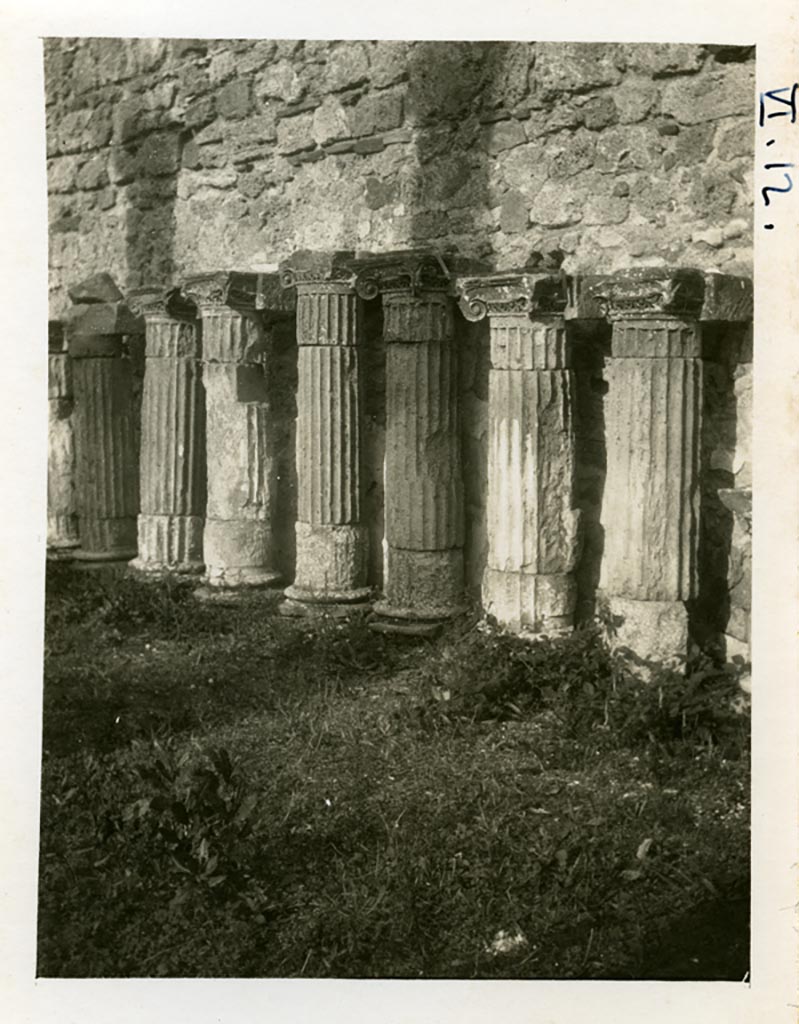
[450, 86]
[150, 165]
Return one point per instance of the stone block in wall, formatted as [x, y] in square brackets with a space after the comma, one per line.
[331, 122]
[736, 141]
[279, 81]
[234, 100]
[446, 78]
[376, 113]
[200, 112]
[508, 84]
[627, 147]
[295, 134]
[93, 174]
[712, 192]
[62, 173]
[514, 214]
[504, 135]
[576, 154]
[599, 112]
[662, 59]
[707, 97]
[574, 67]
[556, 206]
[388, 62]
[690, 146]
[635, 97]
[347, 66]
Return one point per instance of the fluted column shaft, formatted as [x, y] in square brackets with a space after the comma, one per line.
[239, 546]
[62, 512]
[424, 526]
[533, 535]
[650, 507]
[172, 455]
[332, 543]
[106, 456]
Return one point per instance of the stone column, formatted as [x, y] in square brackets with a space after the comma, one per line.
[238, 540]
[172, 453]
[107, 478]
[653, 413]
[533, 525]
[62, 512]
[424, 530]
[332, 543]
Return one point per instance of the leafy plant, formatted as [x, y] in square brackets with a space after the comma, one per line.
[199, 816]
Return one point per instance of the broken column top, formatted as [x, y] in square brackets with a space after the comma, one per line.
[103, 318]
[512, 293]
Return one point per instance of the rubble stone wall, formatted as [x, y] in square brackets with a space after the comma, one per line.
[174, 157]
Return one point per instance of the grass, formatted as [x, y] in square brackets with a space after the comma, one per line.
[227, 793]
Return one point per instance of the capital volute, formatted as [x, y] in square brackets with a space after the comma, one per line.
[511, 294]
[651, 293]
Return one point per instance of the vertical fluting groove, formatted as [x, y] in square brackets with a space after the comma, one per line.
[422, 448]
[653, 418]
[106, 462]
[328, 412]
[172, 434]
[530, 515]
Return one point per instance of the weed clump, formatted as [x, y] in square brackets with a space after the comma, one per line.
[593, 694]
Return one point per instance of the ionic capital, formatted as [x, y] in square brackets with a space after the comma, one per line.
[410, 272]
[151, 302]
[651, 293]
[308, 270]
[511, 294]
[233, 289]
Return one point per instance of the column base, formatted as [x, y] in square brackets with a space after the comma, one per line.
[531, 604]
[422, 587]
[170, 543]
[238, 553]
[90, 561]
[405, 622]
[655, 632]
[62, 552]
[244, 579]
[299, 610]
[159, 570]
[331, 563]
[237, 595]
[301, 602]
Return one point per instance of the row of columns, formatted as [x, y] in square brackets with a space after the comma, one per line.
[207, 461]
